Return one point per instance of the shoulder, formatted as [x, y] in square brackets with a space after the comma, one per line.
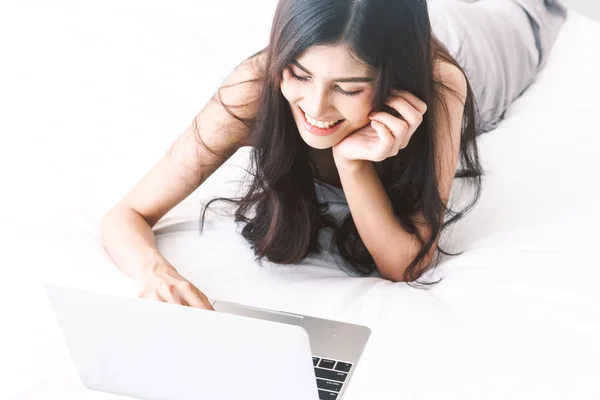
[250, 70]
[452, 90]
[243, 85]
[448, 126]
[449, 76]
[241, 90]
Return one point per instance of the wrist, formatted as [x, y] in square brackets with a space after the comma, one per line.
[346, 165]
[154, 266]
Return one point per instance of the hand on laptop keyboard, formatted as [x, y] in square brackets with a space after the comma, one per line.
[163, 283]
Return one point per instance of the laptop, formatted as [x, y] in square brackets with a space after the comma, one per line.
[153, 350]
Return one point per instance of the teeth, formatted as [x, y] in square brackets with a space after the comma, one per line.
[320, 124]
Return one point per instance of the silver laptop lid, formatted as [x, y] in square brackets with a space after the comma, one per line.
[328, 338]
[153, 350]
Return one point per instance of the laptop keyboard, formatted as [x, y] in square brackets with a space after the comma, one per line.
[331, 376]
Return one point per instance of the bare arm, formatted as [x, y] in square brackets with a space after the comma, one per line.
[209, 140]
[393, 248]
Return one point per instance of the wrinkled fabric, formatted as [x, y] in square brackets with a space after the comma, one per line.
[500, 44]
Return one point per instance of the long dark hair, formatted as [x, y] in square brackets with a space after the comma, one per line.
[280, 210]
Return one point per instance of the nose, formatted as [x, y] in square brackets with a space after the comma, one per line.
[317, 104]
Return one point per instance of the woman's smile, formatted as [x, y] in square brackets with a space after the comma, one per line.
[324, 130]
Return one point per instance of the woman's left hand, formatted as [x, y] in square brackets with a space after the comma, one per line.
[386, 135]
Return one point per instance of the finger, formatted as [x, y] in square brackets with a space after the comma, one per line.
[400, 132]
[397, 126]
[169, 294]
[153, 295]
[150, 295]
[197, 299]
[411, 114]
[189, 294]
[385, 143]
[417, 103]
[174, 298]
[206, 302]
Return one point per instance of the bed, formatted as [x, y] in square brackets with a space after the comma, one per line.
[103, 88]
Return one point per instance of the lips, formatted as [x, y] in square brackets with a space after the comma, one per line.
[304, 115]
[319, 131]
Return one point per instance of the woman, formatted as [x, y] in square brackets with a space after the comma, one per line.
[360, 115]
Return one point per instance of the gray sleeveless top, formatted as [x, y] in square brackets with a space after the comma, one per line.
[500, 44]
[338, 210]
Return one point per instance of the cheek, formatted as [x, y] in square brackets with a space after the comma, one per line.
[289, 88]
[363, 109]
[290, 92]
[284, 90]
[358, 110]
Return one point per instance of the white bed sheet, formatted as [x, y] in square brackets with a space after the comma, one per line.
[93, 105]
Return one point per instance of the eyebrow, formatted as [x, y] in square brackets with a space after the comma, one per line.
[355, 79]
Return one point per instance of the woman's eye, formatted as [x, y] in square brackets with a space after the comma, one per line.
[304, 79]
[300, 78]
[350, 93]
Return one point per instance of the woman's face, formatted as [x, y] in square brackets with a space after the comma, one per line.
[328, 86]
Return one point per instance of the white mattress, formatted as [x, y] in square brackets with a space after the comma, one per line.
[95, 93]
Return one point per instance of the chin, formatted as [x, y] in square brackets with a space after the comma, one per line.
[320, 143]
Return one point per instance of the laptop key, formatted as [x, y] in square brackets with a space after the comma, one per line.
[342, 366]
[315, 361]
[323, 395]
[330, 375]
[329, 385]
[327, 363]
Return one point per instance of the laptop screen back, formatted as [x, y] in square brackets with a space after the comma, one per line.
[153, 350]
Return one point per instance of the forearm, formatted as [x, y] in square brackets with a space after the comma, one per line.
[391, 247]
[130, 242]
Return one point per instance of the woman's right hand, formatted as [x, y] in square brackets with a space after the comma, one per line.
[165, 284]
